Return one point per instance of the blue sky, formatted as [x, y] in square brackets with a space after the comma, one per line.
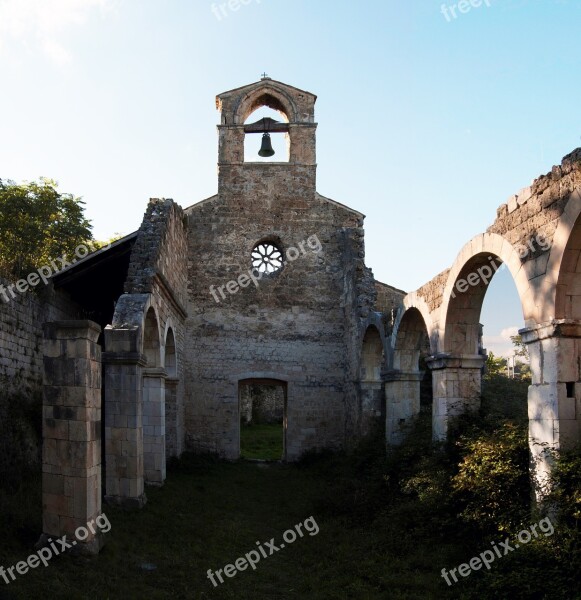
[426, 124]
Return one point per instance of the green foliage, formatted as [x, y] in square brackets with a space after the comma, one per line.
[38, 224]
[566, 485]
[504, 398]
[520, 348]
[493, 481]
[495, 365]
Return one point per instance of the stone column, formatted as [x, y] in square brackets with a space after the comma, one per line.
[457, 384]
[124, 482]
[71, 451]
[554, 399]
[174, 418]
[154, 425]
[371, 411]
[402, 403]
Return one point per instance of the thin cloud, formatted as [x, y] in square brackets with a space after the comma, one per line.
[501, 344]
[37, 26]
[509, 331]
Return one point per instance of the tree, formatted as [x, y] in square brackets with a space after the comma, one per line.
[522, 367]
[495, 365]
[38, 224]
[520, 348]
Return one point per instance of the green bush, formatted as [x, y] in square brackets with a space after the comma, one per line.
[493, 481]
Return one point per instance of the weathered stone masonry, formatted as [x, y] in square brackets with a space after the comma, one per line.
[547, 275]
[183, 330]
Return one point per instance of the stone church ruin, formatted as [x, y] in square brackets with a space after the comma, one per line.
[148, 348]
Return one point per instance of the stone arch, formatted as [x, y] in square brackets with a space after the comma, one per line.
[466, 287]
[153, 390]
[410, 342]
[151, 344]
[563, 275]
[412, 300]
[371, 409]
[457, 367]
[170, 352]
[174, 401]
[410, 337]
[372, 355]
[270, 97]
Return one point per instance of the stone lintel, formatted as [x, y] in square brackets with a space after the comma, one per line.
[70, 330]
[155, 372]
[455, 361]
[124, 358]
[556, 328]
[403, 376]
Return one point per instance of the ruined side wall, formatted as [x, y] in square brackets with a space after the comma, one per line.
[534, 211]
[21, 371]
[21, 322]
[388, 298]
[389, 301]
[158, 272]
[160, 250]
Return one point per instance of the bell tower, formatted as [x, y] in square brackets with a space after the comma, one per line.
[297, 120]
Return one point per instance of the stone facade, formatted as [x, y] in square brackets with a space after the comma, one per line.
[266, 283]
[302, 325]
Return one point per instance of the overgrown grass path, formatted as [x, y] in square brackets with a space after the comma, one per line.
[207, 515]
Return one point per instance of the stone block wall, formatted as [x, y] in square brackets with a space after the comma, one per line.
[71, 469]
[296, 326]
[21, 322]
[261, 404]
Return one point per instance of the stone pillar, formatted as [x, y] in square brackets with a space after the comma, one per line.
[371, 412]
[154, 425]
[457, 385]
[71, 451]
[402, 403]
[124, 482]
[173, 418]
[554, 399]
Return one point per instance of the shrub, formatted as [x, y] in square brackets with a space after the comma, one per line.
[493, 481]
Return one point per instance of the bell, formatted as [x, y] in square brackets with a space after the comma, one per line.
[266, 148]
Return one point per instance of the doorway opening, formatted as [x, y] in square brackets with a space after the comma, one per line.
[263, 421]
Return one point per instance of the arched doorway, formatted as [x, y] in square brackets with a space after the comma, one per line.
[372, 397]
[262, 418]
[408, 386]
[153, 403]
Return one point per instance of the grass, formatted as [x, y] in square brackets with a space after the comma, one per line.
[388, 525]
[208, 514]
[261, 442]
